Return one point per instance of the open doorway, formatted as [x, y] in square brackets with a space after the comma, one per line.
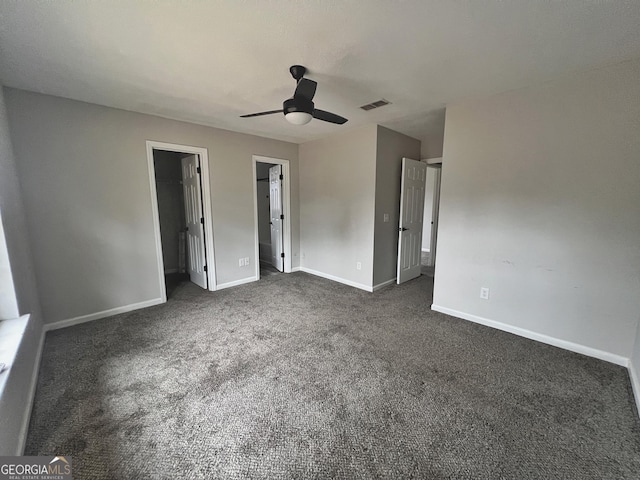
[269, 235]
[182, 216]
[431, 209]
[272, 217]
[173, 228]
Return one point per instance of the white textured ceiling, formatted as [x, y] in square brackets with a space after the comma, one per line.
[210, 61]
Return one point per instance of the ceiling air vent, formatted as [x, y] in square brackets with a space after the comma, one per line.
[380, 103]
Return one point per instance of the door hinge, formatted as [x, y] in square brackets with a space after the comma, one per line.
[281, 216]
[281, 177]
[282, 254]
[202, 220]
[199, 170]
[205, 268]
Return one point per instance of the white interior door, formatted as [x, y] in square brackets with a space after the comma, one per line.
[196, 255]
[414, 177]
[275, 208]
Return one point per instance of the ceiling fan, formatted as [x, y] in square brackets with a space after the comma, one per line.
[300, 109]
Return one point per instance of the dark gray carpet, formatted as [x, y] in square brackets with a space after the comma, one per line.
[299, 377]
[268, 269]
[425, 269]
[173, 280]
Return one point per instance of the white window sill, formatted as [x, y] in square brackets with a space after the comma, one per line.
[11, 333]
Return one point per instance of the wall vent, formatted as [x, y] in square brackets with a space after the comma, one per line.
[380, 103]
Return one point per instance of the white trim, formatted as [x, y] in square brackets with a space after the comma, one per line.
[635, 384]
[237, 282]
[254, 167]
[207, 213]
[296, 269]
[33, 382]
[522, 332]
[286, 210]
[206, 208]
[384, 284]
[426, 250]
[435, 218]
[105, 313]
[337, 279]
[432, 161]
[171, 270]
[156, 221]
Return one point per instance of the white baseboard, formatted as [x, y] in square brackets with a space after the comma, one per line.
[522, 332]
[295, 269]
[635, 384]
[384, 284]
[105, 313]
[337, 279]
[171, 270]
[33, 382]
[426, 250]
[235, 283]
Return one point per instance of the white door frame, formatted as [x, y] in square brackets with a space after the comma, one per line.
[435, 212]
[286, 210]
[206, 209]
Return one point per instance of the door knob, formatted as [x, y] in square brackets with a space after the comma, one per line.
[402, 229]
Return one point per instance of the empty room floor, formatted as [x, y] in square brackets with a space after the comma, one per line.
[296, 376]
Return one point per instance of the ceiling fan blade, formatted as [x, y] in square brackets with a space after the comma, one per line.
[306, 88]
[260, 114]
[328, 117]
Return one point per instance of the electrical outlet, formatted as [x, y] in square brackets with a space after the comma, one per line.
[241, 262]
[246, 261]
[484, 293]
[385, 217]
[358, 265]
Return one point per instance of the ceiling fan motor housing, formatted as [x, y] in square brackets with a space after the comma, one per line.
[297, 71]
[297, 104]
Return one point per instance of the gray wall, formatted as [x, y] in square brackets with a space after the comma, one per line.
[391, 147]
[15, 401]
[540, 202]
[264, 213]
[83, 168]
[433, 136]
[337, 199]
[8, 297]
[432, 143]
[264, 219]
[170, 204]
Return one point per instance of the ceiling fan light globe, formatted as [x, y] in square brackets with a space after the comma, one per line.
[298, 118]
